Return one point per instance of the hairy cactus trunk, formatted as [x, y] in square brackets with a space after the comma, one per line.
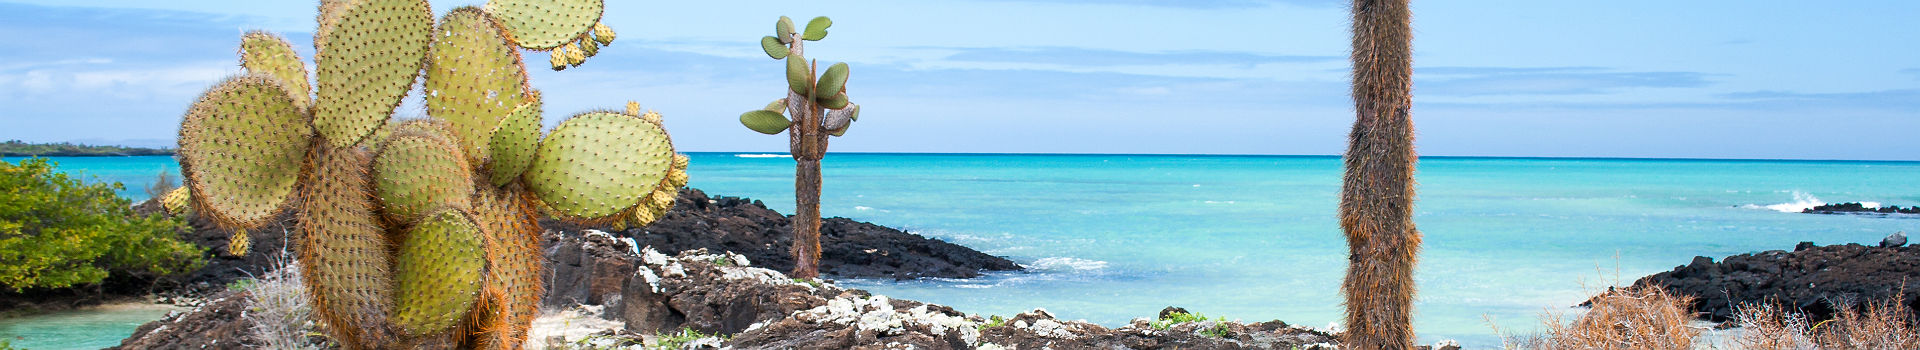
[1376, 203]
[806, 219]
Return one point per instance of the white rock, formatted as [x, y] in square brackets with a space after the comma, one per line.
[652, 280]
[653, 257]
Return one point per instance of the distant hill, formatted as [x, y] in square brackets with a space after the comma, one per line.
[16, 148]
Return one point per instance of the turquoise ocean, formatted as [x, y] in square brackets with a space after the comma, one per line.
[1108, 238]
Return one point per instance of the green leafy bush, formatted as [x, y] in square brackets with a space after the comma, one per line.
[56, 232]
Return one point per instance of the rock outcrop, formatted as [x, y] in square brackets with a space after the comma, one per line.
[1812, 279]
[849, 249]
[724, 293]
[214, 325]
[1857, 208]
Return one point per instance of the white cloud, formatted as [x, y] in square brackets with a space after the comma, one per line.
[103, 77]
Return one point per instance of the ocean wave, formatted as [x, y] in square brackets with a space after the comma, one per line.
[1066, 264]
[761, 155]
[1801, 201]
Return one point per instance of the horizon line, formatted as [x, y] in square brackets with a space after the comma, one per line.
[1336, 156]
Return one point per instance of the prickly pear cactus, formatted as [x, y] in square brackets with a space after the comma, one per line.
[420, 233]
[818, 108]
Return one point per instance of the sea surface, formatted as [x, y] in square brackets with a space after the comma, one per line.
[1109, 238]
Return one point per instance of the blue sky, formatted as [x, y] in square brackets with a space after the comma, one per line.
[1691, 79]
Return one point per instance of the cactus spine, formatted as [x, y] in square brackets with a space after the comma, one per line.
[1376, 201]
[421, 233]
[819, 108]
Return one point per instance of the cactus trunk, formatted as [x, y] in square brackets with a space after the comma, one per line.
[806, 218]
[1376, 201]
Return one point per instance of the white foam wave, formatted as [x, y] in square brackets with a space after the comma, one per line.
[862, 208]
[763, 155]
[1801, 201]
[1067, 264]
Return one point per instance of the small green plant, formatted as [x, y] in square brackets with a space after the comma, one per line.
[992, 321]
[808, 281]
[722, 261]
[1181, 317]
[57, 232]
[1218, 330]
[818, 108]
[675, 341]
[240, 284]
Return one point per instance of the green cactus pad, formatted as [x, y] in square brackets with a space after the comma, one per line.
[514, 144]
[777, 106]
[799, 75]
[773, 47]
[243, 147]
[419, 170]
[833, 81]
[817, 28]
[588, 167]
[474, 79]
[837, 101]
[765, 122]
[546, 24]
[783, 30]
[437, 273]
[343, 249]
[263, 53]
[366, 63]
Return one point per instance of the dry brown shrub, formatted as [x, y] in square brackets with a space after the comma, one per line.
[1881, 324]
[1632, 318]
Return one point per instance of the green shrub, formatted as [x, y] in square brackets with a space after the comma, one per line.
[56, 232]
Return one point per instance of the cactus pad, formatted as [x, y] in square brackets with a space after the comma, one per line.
[474, 79]
[546, 24]
[419, 170]
[588, 167]
[365, 63]
[817, 28]
[343, 250]
[263, 53]
[514, 144]
[799, 75]
[832, 82]
[835, 101]
[783, 29]
[438, 272]
[773, 47]
[765, 122]
[242, 147]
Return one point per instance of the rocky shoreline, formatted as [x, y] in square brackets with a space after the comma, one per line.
[1810, 279]
[638, 293]
[1857, 208]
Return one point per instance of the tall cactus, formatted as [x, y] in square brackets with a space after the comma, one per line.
[421, 233]
[1376, 202]
[819, 108]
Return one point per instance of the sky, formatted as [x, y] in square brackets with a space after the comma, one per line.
[1656, 79]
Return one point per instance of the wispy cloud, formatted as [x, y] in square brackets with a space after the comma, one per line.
[1194, 4]
[1095, 57]
[1915, 72]
[1480, 81]
[1907, 99]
